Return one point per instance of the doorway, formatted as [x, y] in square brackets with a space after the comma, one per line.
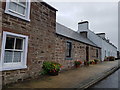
[87, 53]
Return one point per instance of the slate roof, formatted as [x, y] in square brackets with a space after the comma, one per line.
[67, 32]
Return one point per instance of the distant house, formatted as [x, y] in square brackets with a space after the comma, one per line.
[107, 48]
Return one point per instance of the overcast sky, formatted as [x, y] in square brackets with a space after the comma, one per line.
[102, 16]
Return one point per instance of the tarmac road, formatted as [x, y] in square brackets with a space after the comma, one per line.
[112, 81]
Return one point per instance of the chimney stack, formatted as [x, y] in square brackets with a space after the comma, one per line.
[83, 26]
[84, 33]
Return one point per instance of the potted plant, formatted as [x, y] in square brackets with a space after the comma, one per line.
[96, 61]
[77, 63]
[86, 63]
[51, 68]
[111, 58]
[106, 58]
[92, 62]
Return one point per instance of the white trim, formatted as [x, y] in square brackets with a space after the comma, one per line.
[27, 11]
[13, 68]
[17, 65]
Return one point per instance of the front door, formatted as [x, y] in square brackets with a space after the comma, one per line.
[87, 53]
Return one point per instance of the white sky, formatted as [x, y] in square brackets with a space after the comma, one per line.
[102, 16]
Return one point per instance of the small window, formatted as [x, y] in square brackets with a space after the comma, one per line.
[18, 8]
[14, 51]
[68, 49]
[105, 53]
[108, 53]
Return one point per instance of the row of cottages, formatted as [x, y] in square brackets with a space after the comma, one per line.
[30, 35]
[71, 45]
[107, 48]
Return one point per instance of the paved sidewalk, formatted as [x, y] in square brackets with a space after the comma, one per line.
[76, 78]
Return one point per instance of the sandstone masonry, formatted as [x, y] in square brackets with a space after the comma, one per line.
[43, 44]
[41, 33]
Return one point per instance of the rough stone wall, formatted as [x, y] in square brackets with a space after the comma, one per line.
[78, 51]
[0, 40]
[41, 32]
[92, 52]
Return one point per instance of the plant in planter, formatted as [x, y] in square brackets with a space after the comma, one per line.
[77, 63]
[96, 61]
[92, 62]
[111, 58]
[51, 68]
[106, 59]
[86, 63]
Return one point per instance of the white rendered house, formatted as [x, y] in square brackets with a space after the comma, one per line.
[107, 48]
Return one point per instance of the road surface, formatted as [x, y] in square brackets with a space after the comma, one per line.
[112, 81]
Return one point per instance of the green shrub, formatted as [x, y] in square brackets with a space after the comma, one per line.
[49, 66]
[96, 60]
[77, 62]
[91, 61]
[111, 58]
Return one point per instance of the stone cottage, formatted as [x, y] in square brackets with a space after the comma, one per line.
[71, 45]
[29, 36]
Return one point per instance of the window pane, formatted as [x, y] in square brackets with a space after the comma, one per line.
[17, 57]
[68, 50]
[13, 6]
[8, 56]
[23, 2]
[21, 10]
[14, 0]
[9, 43]
[19, 44]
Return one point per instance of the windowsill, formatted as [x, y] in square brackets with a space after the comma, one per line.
[68, 58]
[16, 15]
[12, 68]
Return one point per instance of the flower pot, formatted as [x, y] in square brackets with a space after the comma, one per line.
[96, 62]
[52, 73]
[77, 66]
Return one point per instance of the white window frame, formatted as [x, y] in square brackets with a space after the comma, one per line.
[16, 14]
[16, 65]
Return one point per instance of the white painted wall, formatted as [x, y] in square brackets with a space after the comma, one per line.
[110, 50]
[105, 46]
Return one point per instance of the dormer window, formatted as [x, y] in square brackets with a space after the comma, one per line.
[18, 8]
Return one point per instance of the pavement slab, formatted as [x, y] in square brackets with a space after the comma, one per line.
[75, 78]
